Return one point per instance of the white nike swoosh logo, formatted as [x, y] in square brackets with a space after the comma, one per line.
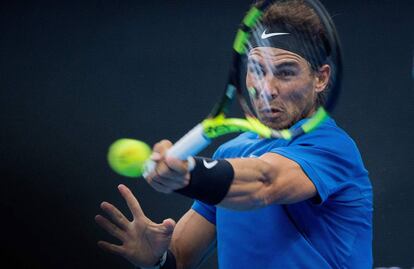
[209, 165]
[264, 35]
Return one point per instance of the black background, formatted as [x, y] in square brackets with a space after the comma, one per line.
[76, 75]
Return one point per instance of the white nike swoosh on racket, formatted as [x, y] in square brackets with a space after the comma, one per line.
[209, 165]
[264, 35]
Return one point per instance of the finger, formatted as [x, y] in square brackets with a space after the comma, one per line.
[179, 166]
[156, 156]
[111, 228]
[166, 228]
[111, 248]
[169, 225]
[131, 201]
[171, 180]
[160, 187]
[115, 214]
[163, 171]
[170, 184]
[162, 146]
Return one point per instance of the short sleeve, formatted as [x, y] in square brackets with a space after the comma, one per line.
[205, 210]
[332, 163]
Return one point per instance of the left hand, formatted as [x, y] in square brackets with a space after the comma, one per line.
[143, 241]
[170, 174]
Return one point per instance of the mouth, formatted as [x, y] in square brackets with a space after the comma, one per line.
[271, 112]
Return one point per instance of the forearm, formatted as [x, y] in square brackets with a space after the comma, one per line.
[232, 183]
[189, 260]
[253, 179]
[241, 184]
[193, 239]
[270, 179]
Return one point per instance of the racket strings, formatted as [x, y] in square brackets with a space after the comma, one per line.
[315, 54]
[256, 36]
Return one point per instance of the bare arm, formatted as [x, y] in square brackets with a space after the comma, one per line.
[258, 182]
[269, 179]
[193, 239]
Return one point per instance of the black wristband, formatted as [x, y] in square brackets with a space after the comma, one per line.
[210, 180]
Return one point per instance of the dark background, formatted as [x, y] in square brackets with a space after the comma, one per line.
[77, 75]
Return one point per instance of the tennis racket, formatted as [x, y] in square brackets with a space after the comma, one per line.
[319, 45]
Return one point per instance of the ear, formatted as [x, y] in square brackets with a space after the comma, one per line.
[322, 78]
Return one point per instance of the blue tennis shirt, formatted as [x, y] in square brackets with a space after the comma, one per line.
[332, 230]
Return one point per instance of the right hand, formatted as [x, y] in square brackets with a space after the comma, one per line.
[170, 173]
[143, 241]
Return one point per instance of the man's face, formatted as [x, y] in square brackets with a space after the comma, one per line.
[286, 87]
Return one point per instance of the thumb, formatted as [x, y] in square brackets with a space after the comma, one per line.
[168, 225]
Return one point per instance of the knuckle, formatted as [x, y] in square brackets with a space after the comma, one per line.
[149, 179]
[163, 170]
[128, 252]
[120, 219]
[162, 145]
[166, 142]
[156, 187]
[156, 147]
[166, 191]
[261, 199]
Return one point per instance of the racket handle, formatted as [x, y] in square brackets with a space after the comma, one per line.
[189, 145]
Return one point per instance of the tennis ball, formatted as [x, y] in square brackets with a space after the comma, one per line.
[127, 157]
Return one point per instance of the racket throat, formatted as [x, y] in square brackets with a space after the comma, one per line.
[219, 126]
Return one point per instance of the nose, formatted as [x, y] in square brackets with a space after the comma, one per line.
[268, 87]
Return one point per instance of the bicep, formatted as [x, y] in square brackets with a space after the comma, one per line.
[288, 182]
[192, 240]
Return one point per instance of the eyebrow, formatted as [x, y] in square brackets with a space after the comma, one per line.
[285, 64]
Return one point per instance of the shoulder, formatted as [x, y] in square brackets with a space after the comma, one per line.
[332, 161]
[328, 137]
[327, 131]
[327, 148]
[235, 146]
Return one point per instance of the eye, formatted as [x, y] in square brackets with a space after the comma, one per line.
[284, 73]
[256, 69]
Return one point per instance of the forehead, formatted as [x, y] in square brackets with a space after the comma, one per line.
[275, 55]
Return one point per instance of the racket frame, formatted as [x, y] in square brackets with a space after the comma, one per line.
[216, 124]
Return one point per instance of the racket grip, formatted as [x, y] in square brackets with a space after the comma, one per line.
[189, 145]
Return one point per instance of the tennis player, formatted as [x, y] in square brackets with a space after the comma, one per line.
[265, 203]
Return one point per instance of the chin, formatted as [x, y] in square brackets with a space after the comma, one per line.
[277, 124]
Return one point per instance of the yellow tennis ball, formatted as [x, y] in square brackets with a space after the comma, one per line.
[127, 157]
